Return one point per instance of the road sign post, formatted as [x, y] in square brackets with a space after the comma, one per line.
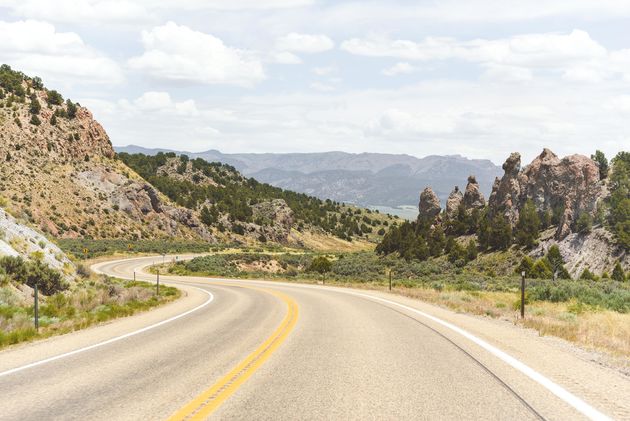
[522, 294]
[157, 285]
[134, 276]
[390, 279]
[36, 296]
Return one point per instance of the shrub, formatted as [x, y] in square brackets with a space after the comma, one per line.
[584, 223]
[320, 264]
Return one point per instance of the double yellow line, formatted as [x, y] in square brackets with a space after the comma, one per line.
[209, 400]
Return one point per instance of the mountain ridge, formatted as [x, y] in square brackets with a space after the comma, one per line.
[366, 179]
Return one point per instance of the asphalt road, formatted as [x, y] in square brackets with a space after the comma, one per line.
[341, 356]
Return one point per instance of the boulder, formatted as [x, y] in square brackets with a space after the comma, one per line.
[452, 203]
[429, 205]
[473, 198]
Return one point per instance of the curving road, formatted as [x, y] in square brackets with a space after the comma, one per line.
[314, 353]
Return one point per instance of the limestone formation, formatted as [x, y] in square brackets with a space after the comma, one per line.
[570, 185]
[452, 203]
[429, 204]
[473, 198]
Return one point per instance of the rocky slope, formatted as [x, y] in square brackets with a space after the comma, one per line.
[565, 188]
[570, 186]
[17, 239]
[58, 170]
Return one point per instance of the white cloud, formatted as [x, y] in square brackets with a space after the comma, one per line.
[285, 57]
[80, 11]
[400, 68]
[575, 56]
[322, 87]
[37, 48]
[325, 70]
[178, 53]
[304, 43]
[229, 4]
[153, 101]
[507, 73]
[395, 122]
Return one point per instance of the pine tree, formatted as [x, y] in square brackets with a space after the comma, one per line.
[602, 163]
[471, 250]
[528, 226]
[617, 273]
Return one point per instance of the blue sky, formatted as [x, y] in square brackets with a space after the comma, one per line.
[480, 78]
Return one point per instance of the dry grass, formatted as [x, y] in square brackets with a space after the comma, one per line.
[324, 242]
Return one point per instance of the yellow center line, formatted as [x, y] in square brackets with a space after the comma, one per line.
[209, 400]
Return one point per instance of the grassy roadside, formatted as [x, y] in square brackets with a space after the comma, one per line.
[89, 302]
[591, 314]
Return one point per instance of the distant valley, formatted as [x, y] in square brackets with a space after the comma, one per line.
[387, 182]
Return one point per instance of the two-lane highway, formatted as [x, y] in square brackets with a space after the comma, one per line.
[253, 350]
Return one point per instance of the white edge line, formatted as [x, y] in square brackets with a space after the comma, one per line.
[553, 387]
[566, 396]
[112, 340]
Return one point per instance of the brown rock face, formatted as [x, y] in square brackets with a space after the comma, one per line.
[473, 198]
[276, 218]
[429, 204]
[571, 183]
[452, 203]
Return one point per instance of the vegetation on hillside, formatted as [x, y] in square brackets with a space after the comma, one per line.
[16, 87]
[216, 189]
[483, 231]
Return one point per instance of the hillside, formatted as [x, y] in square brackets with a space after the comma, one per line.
[228, 202]
[574, 208]
[366, 179]
[59, 171]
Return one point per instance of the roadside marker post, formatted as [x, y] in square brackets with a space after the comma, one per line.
[522, 294]
[390, 279]
[134, 276]
[157, 285]
[36, 308]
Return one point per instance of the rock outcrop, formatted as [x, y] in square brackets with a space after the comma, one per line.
[60, 172]
[274, 220]
[473, 198]
[429, 205]
[17, 239]
[452, 203]
[570, 185]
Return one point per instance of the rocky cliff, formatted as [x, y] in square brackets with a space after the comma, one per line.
[569, 186]
[58, 170]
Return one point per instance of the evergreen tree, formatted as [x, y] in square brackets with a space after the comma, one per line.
[526, 265]
[437, 241]
[587, 275]
[541, 269]
[556, 263]
[617, 273]
[528, 226]
[35, 105]
[602, 163]
[584, 223]
[471, 250]
[500, 237]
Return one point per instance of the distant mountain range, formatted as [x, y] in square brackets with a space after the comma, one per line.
[366, 179]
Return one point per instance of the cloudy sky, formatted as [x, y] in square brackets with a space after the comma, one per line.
[479, 78]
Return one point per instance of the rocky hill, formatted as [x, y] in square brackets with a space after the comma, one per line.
[230, 204]
[568, 203]
[366, 179]
[59, 171]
